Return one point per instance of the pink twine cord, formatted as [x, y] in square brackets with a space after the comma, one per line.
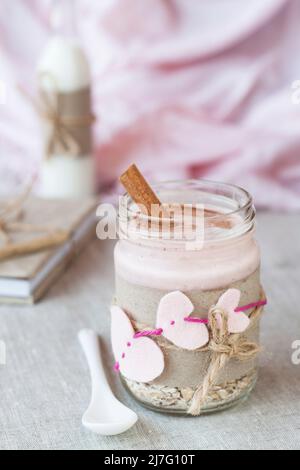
[159, 331]
[260, 303]
[156, 332]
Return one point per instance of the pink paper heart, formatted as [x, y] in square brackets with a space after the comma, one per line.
[139, 359]
[229, 301]
[172, 310]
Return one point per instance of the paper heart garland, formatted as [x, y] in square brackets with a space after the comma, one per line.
[229, 301]
[139, 358]
[172, 311]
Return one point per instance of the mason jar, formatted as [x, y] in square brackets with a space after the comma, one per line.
[224, 255]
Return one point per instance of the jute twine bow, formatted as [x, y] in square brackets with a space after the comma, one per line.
[224, 347]
[10, 215]
[61, 136]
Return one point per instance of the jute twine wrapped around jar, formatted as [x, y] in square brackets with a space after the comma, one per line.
[223, 346]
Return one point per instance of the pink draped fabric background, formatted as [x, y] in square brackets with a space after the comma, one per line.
[184, 88]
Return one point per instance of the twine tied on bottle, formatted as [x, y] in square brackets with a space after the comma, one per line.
[11, 213]
[224, 346]
[66, 133]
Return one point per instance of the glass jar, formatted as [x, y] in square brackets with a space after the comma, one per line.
[149, 266]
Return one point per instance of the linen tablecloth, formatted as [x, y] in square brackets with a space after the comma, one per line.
[45, 385]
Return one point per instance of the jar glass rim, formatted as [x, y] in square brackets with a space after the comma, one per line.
[194, 184]
[226, 211]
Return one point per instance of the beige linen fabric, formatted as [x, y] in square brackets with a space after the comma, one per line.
[45, 384]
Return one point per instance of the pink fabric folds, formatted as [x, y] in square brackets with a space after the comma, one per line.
[183, 88]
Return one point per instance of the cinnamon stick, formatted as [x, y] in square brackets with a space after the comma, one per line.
[139, 189]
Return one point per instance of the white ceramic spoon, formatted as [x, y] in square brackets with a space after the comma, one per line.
[105, 414]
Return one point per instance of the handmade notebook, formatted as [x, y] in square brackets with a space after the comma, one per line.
[25, 278]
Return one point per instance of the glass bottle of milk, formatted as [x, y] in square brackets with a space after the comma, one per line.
[67, 169]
